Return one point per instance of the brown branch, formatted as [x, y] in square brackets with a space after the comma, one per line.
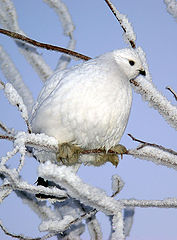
[152, 145]
[173, 92]
[132, 43]
[6, 137]
[4, 128]
[23, 38]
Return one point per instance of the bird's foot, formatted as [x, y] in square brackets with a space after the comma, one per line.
[103, 157]
[68, 153]
[111, 156]
[119, 149]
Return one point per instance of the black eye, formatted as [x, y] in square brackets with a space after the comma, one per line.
[131, 62]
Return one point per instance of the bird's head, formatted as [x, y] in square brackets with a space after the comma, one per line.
[129, 62]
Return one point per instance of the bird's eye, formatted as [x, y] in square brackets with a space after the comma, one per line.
[131, 62]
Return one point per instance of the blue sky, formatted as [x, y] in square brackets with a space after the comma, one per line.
[97, 31]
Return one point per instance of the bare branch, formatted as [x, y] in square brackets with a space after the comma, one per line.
[152, 145]
[21, 237]
[43, 45]
[5, 129]
[173, 92]
[6, 137]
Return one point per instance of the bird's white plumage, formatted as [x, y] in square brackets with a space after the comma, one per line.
[88, 104]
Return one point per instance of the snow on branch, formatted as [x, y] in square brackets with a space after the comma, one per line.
[77, 189]
[16, 100]
[165, 203]
[155, 153]
[13, 76]
[4, 128]
[171, 7]
[15, 183]
[94, 228]
[129, 34]
[156, 100]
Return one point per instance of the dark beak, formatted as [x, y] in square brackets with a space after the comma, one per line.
[142, 72]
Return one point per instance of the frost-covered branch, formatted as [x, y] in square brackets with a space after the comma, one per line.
[17, 184]
[13, 76]
[155, 153]
[156, 100]
[118, 227]
[129, 36]
[77, 189]
[94, 228]
[166, 203]
[16, 100]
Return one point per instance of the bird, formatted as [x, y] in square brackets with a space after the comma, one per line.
[87, 106]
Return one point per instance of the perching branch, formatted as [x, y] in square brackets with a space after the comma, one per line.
[25, 39]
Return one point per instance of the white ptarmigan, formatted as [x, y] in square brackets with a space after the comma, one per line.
[89, 104]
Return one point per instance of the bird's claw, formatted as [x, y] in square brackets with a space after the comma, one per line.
[119, 149]
[68, 153]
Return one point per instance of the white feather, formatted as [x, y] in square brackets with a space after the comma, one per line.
[88, 104]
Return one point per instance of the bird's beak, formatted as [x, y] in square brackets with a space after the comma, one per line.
[142, 72]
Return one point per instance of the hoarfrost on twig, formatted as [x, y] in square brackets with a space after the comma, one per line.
[156, 155]
[13, 76]
[118, 227]
[77, 189]
[155, 99]
[129, 34]
[17, 184]
[94, 228]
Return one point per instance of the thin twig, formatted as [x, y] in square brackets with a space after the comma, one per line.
[173, 92]
[43, 45]
[16, 236]
[6, 137]
[132, 43]
[5, 129]
[152, 145]
[166, 203]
